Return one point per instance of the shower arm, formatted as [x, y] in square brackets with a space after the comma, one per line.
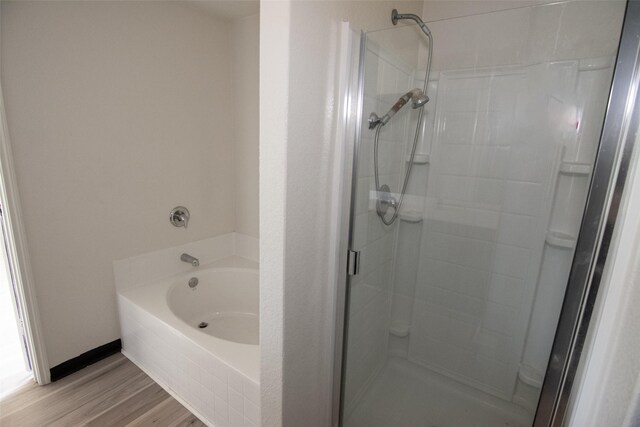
[395, 17]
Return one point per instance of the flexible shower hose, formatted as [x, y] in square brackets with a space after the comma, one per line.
[407, 175]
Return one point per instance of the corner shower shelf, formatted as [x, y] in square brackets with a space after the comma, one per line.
[592, 64]
[569, 168]
[560, 240]
[419, 159]
[530, 376]
[412, 217]
[399, 329]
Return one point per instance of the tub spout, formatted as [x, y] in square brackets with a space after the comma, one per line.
[191, 260]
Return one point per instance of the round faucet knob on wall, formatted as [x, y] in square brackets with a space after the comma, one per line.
[179, 216]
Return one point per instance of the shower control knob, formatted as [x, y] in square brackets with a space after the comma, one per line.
[179, 216]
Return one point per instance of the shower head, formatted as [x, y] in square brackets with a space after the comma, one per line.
[418, 98]
[420, 101]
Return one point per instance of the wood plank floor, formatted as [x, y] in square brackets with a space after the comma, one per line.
[113, 392]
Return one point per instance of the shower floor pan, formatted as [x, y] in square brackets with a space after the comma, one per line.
[407, 395]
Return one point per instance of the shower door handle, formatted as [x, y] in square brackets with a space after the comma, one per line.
[353, 263]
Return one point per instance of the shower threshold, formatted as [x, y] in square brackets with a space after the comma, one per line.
[407, 395]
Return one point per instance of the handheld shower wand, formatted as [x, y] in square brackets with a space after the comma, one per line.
[416, 95]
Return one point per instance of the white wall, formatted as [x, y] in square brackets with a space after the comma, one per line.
[117, 113]
[274, 86]
[245, 38]
[298, 100]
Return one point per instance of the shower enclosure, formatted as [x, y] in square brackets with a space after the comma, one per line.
[466, 209]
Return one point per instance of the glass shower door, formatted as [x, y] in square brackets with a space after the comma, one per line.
[451, 319]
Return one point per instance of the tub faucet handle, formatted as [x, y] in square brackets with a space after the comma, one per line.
[179, 216]
[190, 259]
[183, 219]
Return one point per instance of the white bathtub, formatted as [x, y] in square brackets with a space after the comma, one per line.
[221, 302]
[213, 371]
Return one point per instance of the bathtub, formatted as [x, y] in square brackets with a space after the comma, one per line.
[220, 302]
[200, 343]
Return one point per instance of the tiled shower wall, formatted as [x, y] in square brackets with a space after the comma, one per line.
[385, 81]
[500, 137]
[481, 230]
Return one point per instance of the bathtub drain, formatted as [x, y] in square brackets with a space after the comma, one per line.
[202, 325]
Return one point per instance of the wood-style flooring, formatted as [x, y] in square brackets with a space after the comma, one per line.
[113, 392]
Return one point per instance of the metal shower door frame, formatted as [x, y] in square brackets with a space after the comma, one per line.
[356, 97]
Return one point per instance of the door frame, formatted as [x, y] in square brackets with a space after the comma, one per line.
[18, 256]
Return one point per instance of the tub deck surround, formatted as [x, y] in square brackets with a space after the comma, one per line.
[147, 268]
[216, 379]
